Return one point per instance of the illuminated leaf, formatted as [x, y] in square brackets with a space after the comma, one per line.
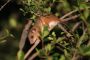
[13, 22]
[20, 55]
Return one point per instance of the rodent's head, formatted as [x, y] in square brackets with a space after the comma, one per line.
[33, 35]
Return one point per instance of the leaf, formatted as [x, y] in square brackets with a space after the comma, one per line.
[20, 55]
[60, 39]
[88, 26]
[47, 9]
[54, 1]
[45, 31]
[85, 13]
[85, 50]
[67, 54]
[49, 58]
[50, 38]
[62, 57]
[13, 22]
[53, 34]
[49, 47]
[28, 1]
[4, 34]
[55, 56]
[65, 5]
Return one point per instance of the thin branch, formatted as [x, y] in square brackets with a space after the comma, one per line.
[75, 26]
[4, 5]
[75, 56]
[81, 38]
[36, 54]
[63, 29]
[65, 20]
[69, 14]
[70, 18]
[24, 35]
[31, 49]
[33, 56]
[88, 44]
[66, 15]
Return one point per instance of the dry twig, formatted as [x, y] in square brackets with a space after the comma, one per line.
[33, 56]
[75, 26]
[70, 18]
[24, 35]
[31, 49]
[4, 5]
[68, 14]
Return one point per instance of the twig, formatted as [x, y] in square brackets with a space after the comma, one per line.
[88, 44]
[31, 49]
[4, 5]
[24, 35]
[65, 20]
[66, 15]
[81, 38]
[75, 26]
[69, 14]
[75, 56]
[70, 18]
[33, 56]
[63, 29]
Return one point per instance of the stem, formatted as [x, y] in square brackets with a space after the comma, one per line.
[24, 35]
[31, 49]
[4, 5]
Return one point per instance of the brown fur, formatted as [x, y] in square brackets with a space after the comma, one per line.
[34, 33]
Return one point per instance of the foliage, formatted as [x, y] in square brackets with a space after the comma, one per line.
[57, 45]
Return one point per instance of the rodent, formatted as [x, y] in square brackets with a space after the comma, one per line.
[50, 20]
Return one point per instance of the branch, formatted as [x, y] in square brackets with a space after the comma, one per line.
[4, 5]
[33, 56]
[75, 26]
[70, 18]
[24, 35]
[75, 56]
[63, 29]
[31, 49]
[68, 14]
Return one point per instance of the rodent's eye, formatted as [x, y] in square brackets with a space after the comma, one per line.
[31, 37]
[34, 29]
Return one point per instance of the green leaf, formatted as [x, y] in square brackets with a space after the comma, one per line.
[85, 13]
[4, 34]
[49, 58]
[54, 1]
[45, 31]
[55, 56]
[88, 26]
[62, 57]
[60, 39]
[47, 9]
[53, 34]
[28, 2]
[13, 22]
[65, 5]
[49, 47]
[50, 38]
[85, 50]
[20, 55]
